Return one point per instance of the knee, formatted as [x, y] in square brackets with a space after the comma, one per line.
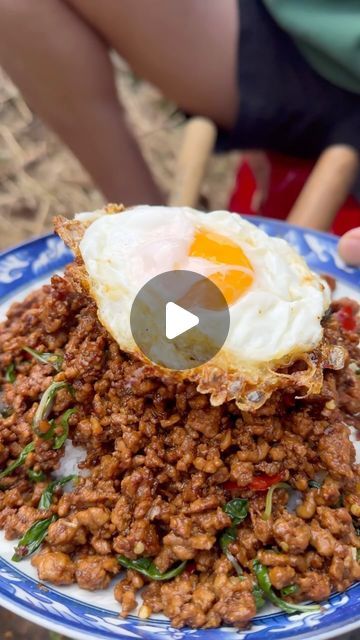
[15, 9]
[13, 13]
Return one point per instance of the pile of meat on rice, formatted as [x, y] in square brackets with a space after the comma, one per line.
[162, 464]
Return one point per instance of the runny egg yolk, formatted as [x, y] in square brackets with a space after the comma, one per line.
[232, 281]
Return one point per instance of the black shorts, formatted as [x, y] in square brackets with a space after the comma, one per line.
[285, 106]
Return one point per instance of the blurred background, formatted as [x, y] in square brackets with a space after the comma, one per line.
[40, 178]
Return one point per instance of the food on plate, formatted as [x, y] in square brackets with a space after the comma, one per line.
[211, 508]
[275, 302]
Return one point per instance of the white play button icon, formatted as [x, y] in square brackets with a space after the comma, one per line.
[178, 320]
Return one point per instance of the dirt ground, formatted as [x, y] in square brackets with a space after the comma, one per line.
[39, 177]
[14, 628]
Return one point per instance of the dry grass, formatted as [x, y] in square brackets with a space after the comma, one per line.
[39, 177]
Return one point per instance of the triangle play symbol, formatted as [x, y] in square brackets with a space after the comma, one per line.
[178, 320]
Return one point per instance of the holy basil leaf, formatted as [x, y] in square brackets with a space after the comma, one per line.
[54, 359]
[10, 373]
[49, 434]
[237, 509]
[33, 538]
[46, 403]
[226, 538]
[19, 461]
[59, 440]
[265, 585]
[36, 476]
[48, 494]
[289, 590]
[269, 498]
[314, 484]
[258, 597]
[147, 568]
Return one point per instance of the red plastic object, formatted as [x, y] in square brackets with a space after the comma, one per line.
[288, 176]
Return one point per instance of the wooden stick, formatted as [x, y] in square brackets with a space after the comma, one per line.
[326, 188]
[197, 146]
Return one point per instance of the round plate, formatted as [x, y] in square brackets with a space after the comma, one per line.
[80, 614]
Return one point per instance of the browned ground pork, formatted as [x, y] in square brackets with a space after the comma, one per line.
[162, 464]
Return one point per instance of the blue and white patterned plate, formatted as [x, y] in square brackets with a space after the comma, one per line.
[83, 615]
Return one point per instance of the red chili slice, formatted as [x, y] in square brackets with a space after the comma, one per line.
[263, 482]
[346, 318]
[258, 483]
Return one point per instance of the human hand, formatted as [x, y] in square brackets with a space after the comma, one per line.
[349, 247]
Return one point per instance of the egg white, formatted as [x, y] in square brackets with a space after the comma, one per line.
[278, 316]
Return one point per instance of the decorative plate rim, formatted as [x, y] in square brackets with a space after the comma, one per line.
[76, 617]
[251, 218]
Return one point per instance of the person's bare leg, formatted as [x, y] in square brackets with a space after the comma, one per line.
[63, 68]
[57, 52]
[187, 48]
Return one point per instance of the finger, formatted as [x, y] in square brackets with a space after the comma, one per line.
[349, 247]
[326, 188]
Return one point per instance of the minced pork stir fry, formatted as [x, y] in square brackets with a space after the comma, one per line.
[210, 511]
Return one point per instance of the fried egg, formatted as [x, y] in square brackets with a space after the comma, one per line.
[275, 301]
